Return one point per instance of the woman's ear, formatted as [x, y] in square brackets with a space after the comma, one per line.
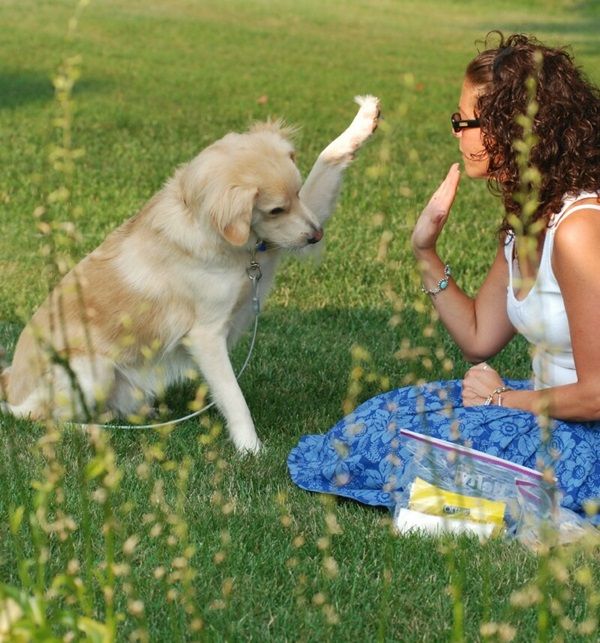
[231, 213]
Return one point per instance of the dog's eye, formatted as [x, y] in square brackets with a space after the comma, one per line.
[277, 210]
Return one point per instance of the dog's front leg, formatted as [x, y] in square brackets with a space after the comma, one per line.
[209, 350]
[322, 186]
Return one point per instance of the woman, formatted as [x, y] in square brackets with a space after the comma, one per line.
[548, 290]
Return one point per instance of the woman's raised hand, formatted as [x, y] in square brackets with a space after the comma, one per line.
[433, 218]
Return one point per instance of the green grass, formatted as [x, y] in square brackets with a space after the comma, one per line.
[160, 80]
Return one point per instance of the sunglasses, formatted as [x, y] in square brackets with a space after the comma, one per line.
[459, 124]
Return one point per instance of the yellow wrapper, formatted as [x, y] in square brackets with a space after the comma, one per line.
[435, 501]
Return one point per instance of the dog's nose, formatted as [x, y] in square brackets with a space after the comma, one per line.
[317, 236]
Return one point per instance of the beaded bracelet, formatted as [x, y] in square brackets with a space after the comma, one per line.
[497, 391]
[442, 284]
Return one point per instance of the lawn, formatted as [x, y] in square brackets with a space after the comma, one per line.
[172, 536]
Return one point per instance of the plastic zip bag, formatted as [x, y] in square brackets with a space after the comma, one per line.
[450, 487]
[543, 521]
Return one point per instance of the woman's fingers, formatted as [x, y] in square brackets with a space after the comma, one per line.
[479, 382]
[443, 198]
[446, 193]
[433, 218]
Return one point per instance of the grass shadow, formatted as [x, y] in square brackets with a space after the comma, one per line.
[18, 88]
[25, 87]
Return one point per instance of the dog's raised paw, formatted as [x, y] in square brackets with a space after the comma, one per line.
[364, 124]
[366, 120]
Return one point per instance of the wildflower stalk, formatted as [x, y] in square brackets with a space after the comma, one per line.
[85, 522]
[543, 611]
[109, 526]
[329, 565]
[525, 227]
[187, 573]
[527, 232]
[55, 219]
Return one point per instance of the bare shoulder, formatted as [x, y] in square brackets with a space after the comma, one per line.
[580, 228]
[576, 241]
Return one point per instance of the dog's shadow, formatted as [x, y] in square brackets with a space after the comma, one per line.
[299, 372]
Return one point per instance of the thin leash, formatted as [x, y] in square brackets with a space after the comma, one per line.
[254, 275]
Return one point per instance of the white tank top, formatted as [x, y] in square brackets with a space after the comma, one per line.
[541, 316]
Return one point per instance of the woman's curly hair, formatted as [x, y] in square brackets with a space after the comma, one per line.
[567, 124]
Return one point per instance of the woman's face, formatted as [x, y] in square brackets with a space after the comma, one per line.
[470, 140]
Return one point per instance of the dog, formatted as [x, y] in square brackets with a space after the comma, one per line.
[169, 291]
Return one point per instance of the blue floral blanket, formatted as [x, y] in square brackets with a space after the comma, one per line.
[353, 458]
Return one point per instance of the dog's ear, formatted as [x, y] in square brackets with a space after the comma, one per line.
[232, 213]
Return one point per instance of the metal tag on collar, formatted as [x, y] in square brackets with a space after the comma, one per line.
[253, 271]
[254, 274]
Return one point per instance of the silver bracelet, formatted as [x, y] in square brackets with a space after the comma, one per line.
[442, 284]
[497, 391]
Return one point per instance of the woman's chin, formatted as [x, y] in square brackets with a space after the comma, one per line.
[475, 171]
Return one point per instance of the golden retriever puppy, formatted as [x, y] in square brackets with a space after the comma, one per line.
[170, 290]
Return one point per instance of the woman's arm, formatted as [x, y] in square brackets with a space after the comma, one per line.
[576, 264]
[479, 326]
